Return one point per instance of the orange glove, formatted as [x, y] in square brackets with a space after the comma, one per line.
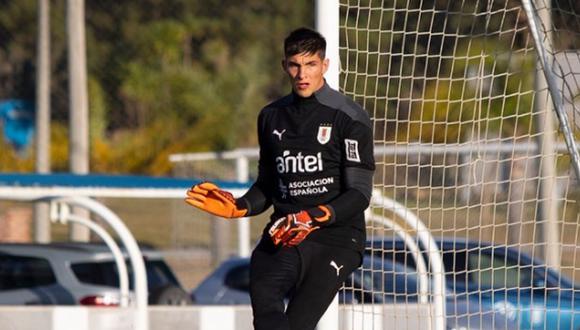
[208, 197]
[292, 229]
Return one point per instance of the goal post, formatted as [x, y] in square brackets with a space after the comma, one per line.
[469, 101]
[543, 47]
[475, 109]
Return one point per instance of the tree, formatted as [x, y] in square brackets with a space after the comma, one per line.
[164, 76]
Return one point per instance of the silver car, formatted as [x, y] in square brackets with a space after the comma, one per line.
[78, 274]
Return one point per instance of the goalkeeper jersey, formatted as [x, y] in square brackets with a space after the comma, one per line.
[314, 151]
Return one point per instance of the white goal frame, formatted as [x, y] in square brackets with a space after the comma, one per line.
[545, 141]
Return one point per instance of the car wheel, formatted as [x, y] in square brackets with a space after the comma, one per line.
[169, 295]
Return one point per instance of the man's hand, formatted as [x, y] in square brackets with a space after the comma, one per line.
[292, 229]
[208, 197]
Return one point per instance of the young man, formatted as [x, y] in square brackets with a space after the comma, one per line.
[316, 166]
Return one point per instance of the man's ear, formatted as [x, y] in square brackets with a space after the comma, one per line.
[283, 62]
[325, 64]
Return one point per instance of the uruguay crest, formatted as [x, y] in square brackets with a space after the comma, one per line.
[324, 133]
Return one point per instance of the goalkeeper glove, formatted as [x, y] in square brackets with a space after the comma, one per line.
[292, 229]
[208, 197]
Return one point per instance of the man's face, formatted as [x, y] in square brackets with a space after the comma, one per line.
[306, 72]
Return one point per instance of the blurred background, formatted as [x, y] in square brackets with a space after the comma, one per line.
[163, 77]
[178, 76]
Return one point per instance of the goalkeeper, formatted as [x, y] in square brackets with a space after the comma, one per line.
[316, 167]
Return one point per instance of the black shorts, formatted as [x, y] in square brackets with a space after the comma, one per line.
[307, 277]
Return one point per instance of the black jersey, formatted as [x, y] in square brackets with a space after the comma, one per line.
[313, 151]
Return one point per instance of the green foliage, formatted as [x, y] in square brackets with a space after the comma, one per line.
[190, 75]
[98, 108]
[488, 90]
[12, 162]
[439, 76]
[164, 76]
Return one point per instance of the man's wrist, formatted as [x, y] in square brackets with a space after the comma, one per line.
[322, 215]
[243, 204]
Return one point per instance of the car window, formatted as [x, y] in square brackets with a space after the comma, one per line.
[456, 270]
[159, 274]
[106, 274]
[485, 267]
[493, 270]
[402, 257]
[454, 263]
[97, 273]
[394, 278]
[18, 272]
[381, 280]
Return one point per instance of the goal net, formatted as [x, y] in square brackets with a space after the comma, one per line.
[476, 109]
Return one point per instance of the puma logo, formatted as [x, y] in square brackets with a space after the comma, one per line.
[278, 134]
[335, 266]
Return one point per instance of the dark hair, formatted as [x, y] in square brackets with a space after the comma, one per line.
[304, 40]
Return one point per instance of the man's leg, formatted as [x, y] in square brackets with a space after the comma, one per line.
[325, 270]
[273, 272]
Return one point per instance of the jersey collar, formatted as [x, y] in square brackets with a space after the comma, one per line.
[316, 97]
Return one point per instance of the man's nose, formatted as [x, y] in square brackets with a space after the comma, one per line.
[300, 74]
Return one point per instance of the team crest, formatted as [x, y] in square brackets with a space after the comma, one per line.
[324, 133]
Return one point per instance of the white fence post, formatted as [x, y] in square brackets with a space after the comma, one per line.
[327, 24]
[135, 256]
[60, 212]
[243, 176]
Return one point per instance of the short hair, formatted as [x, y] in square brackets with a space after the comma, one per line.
[304, 40]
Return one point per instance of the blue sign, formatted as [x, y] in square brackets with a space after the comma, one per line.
[18, 121]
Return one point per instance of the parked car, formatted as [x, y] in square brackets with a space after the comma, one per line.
[499, 280]
[78, 274]
[229, 284]
[488, 286]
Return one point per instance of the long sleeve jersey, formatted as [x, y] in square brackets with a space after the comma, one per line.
[315, 151]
